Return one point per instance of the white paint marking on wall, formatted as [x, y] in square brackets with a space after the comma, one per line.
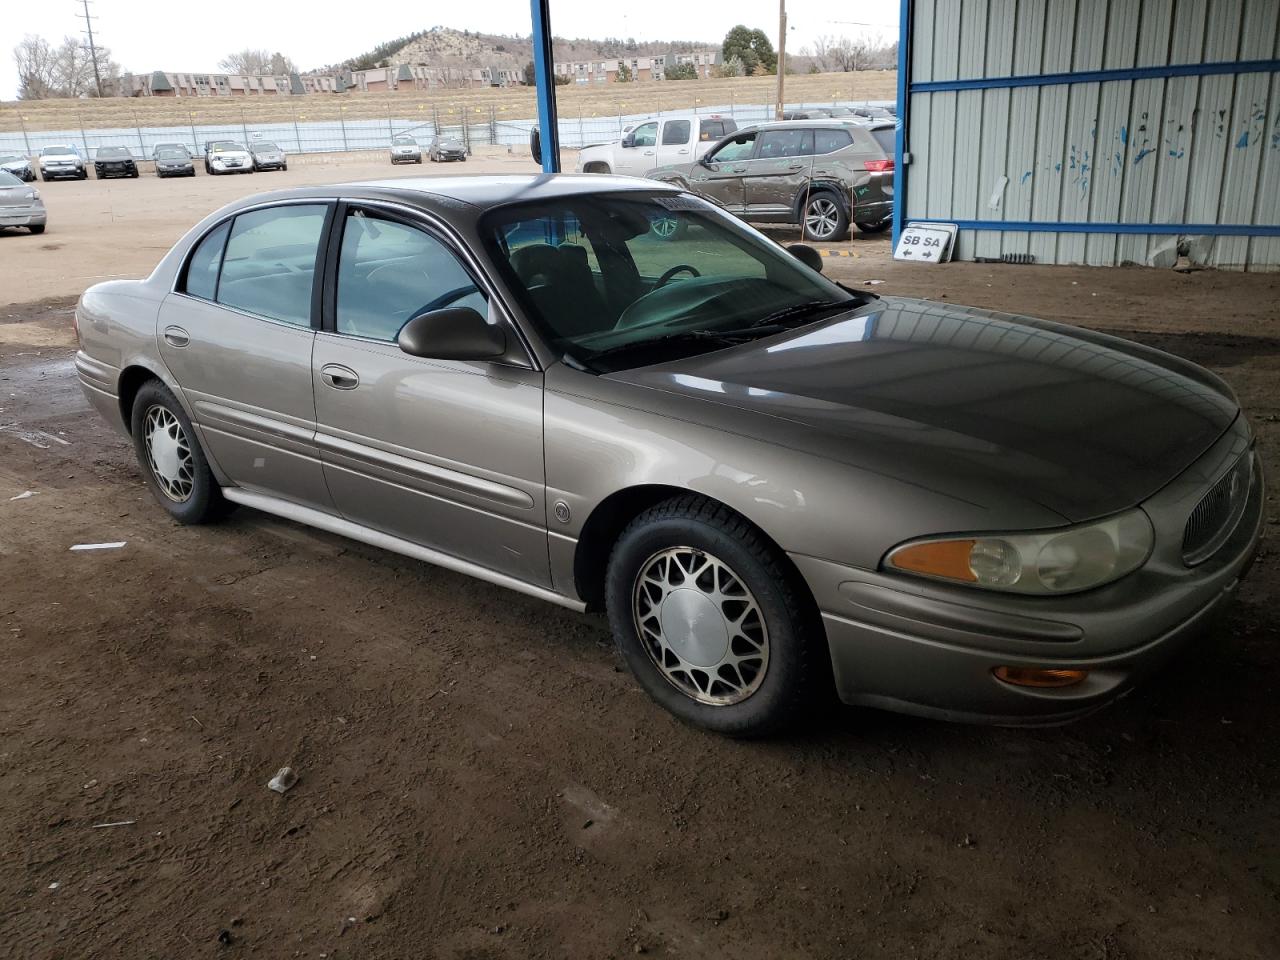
[100, 546]
[998, 193]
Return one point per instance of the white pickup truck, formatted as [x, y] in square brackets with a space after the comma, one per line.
[678, 138]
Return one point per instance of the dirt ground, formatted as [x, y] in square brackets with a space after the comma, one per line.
[479, 778]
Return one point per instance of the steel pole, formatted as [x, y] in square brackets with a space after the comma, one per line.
[544, 77]
[782, 56]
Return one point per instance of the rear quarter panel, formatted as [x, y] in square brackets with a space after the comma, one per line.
[117, 329]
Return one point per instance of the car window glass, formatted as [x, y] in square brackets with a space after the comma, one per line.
[675, 131]
[7, 179]
[202, 270]
[646, 135]
[737, 149]
[270, 262]
[829, 141]
[715, 129]
[885, 136]
[775, 144]
[389, 272]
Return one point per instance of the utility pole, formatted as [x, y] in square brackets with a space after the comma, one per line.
[93, 50]
[782, 54]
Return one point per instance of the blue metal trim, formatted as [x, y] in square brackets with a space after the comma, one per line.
[544, 78]
[1099, 76]
[1163, 229]
[900, 128]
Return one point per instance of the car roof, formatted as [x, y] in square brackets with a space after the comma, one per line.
[489, 189]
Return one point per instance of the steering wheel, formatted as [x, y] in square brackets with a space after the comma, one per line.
[679, 267]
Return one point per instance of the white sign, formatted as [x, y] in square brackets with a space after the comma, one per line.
[923, 244]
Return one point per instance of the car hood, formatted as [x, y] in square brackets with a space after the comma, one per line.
[976, 404]
[14, 164]
[230, 155]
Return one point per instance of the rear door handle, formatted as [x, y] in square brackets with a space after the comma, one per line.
[176, 337]
[339, 377]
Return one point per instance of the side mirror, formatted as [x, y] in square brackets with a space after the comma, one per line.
[454, 333]
[706, 161]
[629, 140]
[535, 144]
[810, 257]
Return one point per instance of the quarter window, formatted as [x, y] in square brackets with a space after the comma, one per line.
[270, 262]
[202, 270]
[715, 129]
[389, 272]
[675, 131]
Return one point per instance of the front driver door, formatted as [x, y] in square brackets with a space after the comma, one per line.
[237, 337]
[447, 454]
[641, 157]
[718, 176]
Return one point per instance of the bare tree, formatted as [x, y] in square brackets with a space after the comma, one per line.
[257, 63]
[849, 53]
[37, 68]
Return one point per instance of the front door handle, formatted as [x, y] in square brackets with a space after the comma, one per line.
[796, 166]
[176, 337]
[738, 170]
[339, 377]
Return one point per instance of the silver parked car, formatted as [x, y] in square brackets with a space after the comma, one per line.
[774, 485]
[405, 149]
[62, 160]
[268, 156]
[20, 204]
[18, 165]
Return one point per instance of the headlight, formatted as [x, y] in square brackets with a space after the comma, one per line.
[1049, 562]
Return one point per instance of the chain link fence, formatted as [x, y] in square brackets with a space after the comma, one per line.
[323, 127]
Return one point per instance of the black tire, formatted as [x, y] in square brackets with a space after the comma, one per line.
[37, 230]
[877, 226]
[833, 212]
[204, 501]
[84, 175]
[775, 696]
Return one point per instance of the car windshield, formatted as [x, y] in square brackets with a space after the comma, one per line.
[7, 179]
[172, 153]
[226, 146]
[405, 142]
[112, 153]
[629, 279]
[266, 148]
[57, 152]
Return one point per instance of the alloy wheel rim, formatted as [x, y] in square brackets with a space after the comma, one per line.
[700, 626]
[665, 227]
[821, 218]
[169, 454]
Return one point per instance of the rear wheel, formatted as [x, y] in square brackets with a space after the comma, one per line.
[825, 219]
[710, 620]
[876, 226]
[171, 459]
[37, 228]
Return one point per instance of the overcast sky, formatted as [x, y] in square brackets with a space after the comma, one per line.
[162, 36]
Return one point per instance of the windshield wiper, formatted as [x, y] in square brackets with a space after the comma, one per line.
[685, 336]
[797, 310]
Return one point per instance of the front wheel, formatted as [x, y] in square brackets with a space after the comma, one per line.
[711, 621]
[37, 228]
[171, 459]
[825, 219]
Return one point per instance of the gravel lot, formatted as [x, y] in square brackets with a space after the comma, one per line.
[478, 777]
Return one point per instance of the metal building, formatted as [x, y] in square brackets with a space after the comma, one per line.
[1094, 131]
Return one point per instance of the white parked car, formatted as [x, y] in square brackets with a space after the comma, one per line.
[226, 156]
[679, 138]
[62, 160]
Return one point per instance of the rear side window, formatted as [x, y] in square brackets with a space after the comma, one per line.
[202, 270]
[715, 129]
[885, 136]
[829, 141]
[675, 131]
[784, 143]
[270, 262]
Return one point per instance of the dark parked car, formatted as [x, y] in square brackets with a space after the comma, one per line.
[114, 162]
[173, 145]
[823, 174]
[440, 149]
[18, 165]
[268, 156]
[774, 485]
[174, 162]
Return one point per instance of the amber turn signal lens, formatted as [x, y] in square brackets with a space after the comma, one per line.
[940, 558]
[1039, 677]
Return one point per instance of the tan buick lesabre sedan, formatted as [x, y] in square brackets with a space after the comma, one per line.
[777, 487]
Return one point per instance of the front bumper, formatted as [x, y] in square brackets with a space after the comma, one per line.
[54, 172]
[25, 174]
[104, 170]
[272, 163]
[406, 157]
[231, 166]
[925, 648]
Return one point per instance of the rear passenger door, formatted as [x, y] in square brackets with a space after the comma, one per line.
[779, 171]
[444, 453]
[673, 143]
[237, 336]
